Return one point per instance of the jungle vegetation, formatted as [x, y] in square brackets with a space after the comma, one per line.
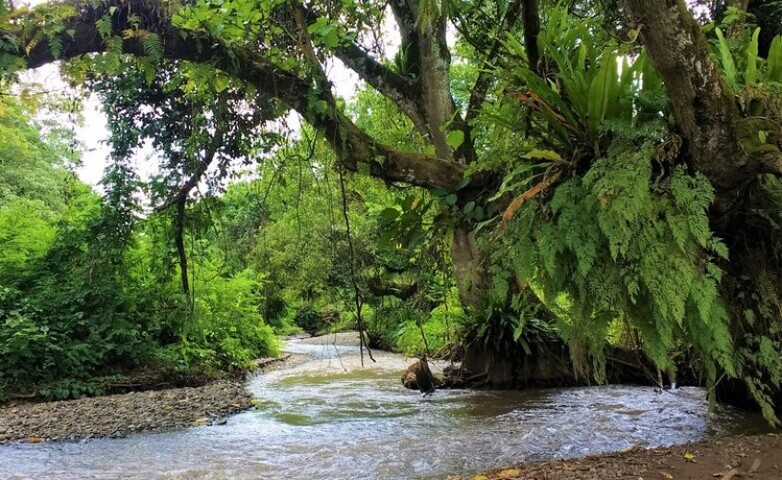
[537, 187]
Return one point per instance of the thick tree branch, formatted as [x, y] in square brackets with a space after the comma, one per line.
[406, 20]
[426, 51]
[435, 84]
[702, 104]
[352, 145]
[531, 18]
[405, 93]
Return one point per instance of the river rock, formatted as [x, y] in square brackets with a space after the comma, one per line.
[119, 415]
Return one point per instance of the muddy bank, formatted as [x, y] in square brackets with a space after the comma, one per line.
[121, 414]
[756, 457]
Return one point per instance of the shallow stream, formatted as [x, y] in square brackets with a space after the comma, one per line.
[328, 418]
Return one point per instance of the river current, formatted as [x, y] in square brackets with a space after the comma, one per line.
[330, 418]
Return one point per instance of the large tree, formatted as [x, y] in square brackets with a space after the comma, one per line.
[280, 50]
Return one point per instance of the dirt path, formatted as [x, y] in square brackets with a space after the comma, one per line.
[756, 457]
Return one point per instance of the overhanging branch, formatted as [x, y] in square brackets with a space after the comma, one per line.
[353, 146]
[405, 93]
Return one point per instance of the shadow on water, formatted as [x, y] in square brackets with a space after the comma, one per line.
[328, 418]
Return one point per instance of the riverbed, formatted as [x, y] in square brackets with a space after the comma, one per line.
[330, 418]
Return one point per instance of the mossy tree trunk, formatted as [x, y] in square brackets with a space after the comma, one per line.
[720, 146]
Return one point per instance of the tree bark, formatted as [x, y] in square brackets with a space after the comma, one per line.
[720, 146]
[701, 102]
[704, 107]
[179, 241]
[353, 146]
[471, 277]
[435, 81]
[531, 18]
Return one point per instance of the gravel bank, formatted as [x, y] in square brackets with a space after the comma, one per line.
[119, 415]
[122, 414]
[757, 457]
[340, 338]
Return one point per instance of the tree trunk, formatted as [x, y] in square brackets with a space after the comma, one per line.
[701, 102]
[179, 241]
[720, 146]
[471, 278]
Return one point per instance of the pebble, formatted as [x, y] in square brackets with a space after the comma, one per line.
[118, 415]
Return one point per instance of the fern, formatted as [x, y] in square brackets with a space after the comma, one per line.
[56, 45]
[623, 245]
[153, 46]
[104, 26]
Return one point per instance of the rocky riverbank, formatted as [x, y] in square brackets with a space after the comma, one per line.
[121, 414]
[756, 457]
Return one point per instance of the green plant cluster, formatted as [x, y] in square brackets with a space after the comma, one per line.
[84, 291]
[612, 230]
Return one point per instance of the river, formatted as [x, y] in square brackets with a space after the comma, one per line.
[330, 418]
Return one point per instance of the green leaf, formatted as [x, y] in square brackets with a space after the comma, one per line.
[221, 82]
[331, 38]
[463, 183]
[601, 91]
[751, 74]
[451, 199]
[455, 139]
[652, 81]
[726, 58]
[469, 207]
[544, 154]
[388, 215]
[775, 60]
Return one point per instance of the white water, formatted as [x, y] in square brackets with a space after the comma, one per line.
[331, 419]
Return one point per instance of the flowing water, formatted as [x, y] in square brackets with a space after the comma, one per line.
[328, 418]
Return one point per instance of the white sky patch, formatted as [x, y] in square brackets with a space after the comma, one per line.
[93, 133]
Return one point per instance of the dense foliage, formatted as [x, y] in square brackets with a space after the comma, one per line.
[78, 302]
[598, 175]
